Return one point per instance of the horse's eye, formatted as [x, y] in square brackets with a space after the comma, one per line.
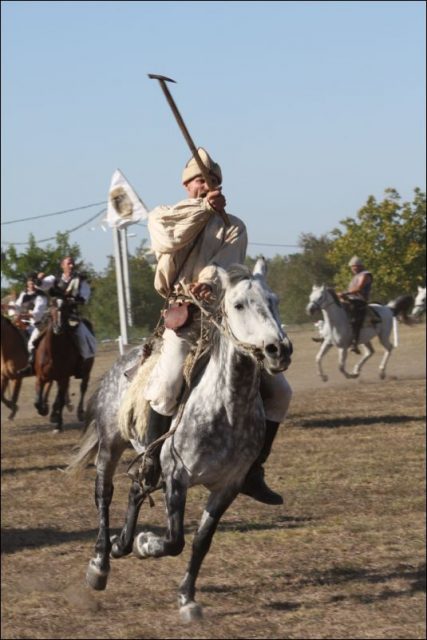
[238, 306]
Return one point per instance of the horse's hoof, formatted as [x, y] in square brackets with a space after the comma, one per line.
[191, 612]
[95, 578]
[13, 412]
[140, 544]
[80, 416]
[54, 419]
[325, 378]
[382, 375]
[41, 410]
[117, 551]
[58, 429]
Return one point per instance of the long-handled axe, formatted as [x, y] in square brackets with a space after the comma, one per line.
[203, 170]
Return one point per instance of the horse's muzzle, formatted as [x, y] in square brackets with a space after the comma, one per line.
[278, 357]
[311, 309]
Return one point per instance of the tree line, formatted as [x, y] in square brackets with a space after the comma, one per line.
[390, 236]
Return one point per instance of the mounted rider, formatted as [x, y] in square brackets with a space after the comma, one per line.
[74, 288]
[190, 240]
[30, 309]
[356, 298]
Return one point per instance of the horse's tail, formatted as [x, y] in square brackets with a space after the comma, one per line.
[395, 333]
[87, 448]
[401, 307]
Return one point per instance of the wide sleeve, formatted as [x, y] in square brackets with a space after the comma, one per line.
[172, 228]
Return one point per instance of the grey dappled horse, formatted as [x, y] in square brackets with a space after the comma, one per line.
[219, 431]
[338, 332]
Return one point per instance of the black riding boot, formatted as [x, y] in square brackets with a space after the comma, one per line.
[254, 485]
[29, 369]
[157, 426]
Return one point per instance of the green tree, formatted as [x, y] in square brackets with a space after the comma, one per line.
[16, 266]
[390, 236]
[292, 277]
[146, 304]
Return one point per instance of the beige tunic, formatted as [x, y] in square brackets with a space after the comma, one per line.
[192, 228]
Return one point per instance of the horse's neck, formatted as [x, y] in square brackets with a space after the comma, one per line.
[336, 317]
[233, 374]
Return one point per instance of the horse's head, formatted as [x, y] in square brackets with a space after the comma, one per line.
[420, 303]
[317, 300]
[251, 316]
[62, 316]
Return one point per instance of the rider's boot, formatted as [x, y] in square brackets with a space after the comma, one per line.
[157, 426]
[254, 485]
[29, 369]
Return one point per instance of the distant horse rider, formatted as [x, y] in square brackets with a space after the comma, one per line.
[75, 289]
[356, 298]
[30, 309]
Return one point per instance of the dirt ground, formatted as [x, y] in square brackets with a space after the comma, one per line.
[344, 557]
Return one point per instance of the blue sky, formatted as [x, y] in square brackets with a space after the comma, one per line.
[309, 107]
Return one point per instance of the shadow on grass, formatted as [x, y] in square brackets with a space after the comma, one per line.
[415, 577]
[14, 471]
[357, 421]
[14, 540]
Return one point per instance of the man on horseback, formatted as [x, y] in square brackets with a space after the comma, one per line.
[30, 309]
[356, 297]
[74, 288]
[190, 239]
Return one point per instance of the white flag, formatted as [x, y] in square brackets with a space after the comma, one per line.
[125, 207]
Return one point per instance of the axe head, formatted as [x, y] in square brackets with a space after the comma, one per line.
[161, 78]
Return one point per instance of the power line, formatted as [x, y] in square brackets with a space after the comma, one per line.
[268, 244]
[69, 231]
[55, 213]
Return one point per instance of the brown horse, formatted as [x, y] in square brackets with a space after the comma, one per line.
[57, 358]
[14, 356]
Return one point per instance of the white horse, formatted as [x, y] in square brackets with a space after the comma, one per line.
[419, 304]
[215, 436]
[338, 332]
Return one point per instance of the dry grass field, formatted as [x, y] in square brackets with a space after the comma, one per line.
[344, 557]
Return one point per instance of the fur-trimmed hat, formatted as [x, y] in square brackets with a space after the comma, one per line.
[355, 261]
[191, 169]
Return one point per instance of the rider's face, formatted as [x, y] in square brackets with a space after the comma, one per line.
[68, 264]
[31, 287]
[198, 187]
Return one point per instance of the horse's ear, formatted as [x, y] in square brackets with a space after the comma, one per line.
[260, 268]
[221, 278]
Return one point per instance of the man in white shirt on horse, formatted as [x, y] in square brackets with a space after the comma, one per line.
[73, 287]
[30, 309]
[190, 239]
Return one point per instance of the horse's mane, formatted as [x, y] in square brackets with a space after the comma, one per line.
[333, 293]
[238, 272]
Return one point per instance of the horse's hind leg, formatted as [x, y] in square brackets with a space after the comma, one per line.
[122, 544]
[99, 566]
[83, 388]
[217, 504]
[388, 349]
[369, 351]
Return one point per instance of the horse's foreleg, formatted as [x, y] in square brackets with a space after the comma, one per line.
[369, 351]
[122, 544]
[326, 345]
[342, 359]
[147, 544]
[40, 402]
[217, 504]
[99, 566]
[14, 399]
[58, 405]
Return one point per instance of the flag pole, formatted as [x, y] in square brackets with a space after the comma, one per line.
[125, 264]
[120, 287]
